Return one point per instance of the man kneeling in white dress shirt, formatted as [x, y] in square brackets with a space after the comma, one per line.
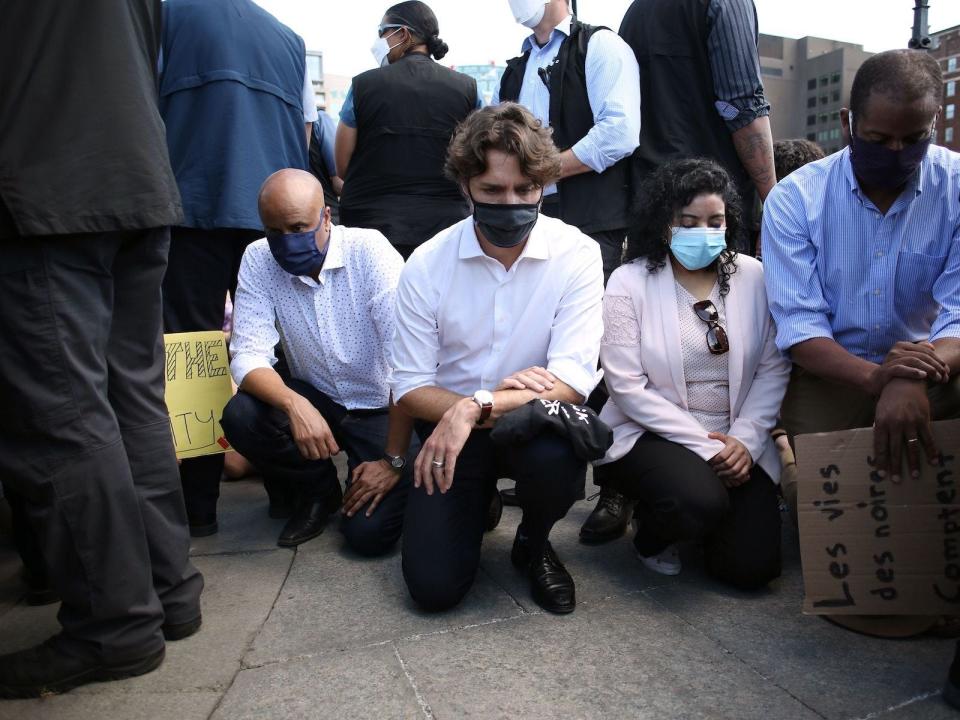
[501, 308]
[326, 294]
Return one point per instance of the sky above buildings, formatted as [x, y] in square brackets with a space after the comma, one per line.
[481, 31]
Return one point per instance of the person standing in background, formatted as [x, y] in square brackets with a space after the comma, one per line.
[702, 98]
[323, 163]
[238, 104]
[85, 205]
[581, 81]
[395, 125]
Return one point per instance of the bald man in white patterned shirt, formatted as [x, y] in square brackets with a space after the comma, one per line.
[326, 294]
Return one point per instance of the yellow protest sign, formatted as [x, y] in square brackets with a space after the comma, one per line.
[198, 388]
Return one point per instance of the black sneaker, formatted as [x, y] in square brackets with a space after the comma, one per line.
[47, 670]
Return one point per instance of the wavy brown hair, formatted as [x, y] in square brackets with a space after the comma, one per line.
[509, 128]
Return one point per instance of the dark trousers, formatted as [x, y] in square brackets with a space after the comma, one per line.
[610, 241]
[261, 433]
[680, 498]
[24, 537]
[202, 270]
[443, 532]
[85, 438]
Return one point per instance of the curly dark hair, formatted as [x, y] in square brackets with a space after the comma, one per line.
[663, 194]
[790, 155]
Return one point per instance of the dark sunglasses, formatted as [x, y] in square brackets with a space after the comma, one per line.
[716, 336]
[383, 28]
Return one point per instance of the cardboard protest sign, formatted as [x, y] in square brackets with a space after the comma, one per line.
[198, 388]
[872, 547]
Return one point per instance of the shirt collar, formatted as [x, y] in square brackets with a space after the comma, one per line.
[914, 185]
[537, 247]
[531, 40]
[333, 259]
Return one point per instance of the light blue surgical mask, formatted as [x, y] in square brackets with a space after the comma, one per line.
[697, 247]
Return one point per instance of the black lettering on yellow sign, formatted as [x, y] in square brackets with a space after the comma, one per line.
[196, 359]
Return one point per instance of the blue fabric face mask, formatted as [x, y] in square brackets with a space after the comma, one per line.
[297, 253]
[697, 247]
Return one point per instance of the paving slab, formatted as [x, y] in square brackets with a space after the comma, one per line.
[930, 708]
[363, 683]
[240, 591]
[139, 706]
[839, 673]
[242, 517]
[624, 657]
[335, 599]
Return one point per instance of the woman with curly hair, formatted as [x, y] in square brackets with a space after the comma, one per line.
[695, 381]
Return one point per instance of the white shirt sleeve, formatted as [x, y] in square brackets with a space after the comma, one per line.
[578, 324]
[254, 320]
[415, 350]
[310, 112]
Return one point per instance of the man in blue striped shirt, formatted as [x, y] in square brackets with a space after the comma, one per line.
[862, 258]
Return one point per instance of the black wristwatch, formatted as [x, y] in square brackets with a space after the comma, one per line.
[397, 462]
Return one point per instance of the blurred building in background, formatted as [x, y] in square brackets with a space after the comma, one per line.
[487, 77]
[948, 53]
[806, 82]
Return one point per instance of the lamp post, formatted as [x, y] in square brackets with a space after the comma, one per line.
[921, 39]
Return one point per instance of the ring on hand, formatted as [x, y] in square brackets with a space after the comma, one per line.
[437, 463]
[912, 440]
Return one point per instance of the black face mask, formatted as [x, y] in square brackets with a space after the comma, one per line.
[506, 226]
[881, 167]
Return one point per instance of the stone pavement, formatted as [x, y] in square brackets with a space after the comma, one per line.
[319, 633]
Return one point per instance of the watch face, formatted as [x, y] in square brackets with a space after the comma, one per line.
[397, 462]
[484, 397]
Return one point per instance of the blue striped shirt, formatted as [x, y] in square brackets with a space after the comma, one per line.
[735, 62]
[836, 267]
[613, 89]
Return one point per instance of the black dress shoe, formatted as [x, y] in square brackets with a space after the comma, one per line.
[39, 591]
[308, 521]
[609, 519]
[550, 584]
[494, 513]
[202, 525]
[179, 631]
[45, 669]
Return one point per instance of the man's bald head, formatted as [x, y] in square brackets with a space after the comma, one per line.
[291, 201]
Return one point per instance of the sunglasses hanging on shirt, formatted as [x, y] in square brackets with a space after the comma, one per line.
[717, 341]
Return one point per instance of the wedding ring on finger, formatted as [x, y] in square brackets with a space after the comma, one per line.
[911, 441]
[438, 463]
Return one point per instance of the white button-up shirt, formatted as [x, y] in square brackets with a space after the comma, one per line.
[464, 322]
[335, 332]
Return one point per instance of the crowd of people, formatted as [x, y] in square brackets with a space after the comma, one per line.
[449, 294]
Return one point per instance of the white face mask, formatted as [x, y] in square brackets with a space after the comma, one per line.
[381, 49]
[528, 13]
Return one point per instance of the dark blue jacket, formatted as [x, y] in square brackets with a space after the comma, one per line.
[231, 95]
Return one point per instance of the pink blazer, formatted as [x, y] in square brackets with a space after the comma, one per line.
[643, 364]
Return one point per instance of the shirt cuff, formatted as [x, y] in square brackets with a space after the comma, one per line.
[581, 379]
[801, 327]
[403, 383]
[745, 116]
[243, 365]
[589, 154]
[946, 327]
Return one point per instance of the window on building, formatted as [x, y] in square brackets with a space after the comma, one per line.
[951, 64]
[951, 88]
[951, 111]
[811, 136]
[948, 135]
[835, 78]
[824, 81]
[835, 115]
[824, 117]
[824, 99]
[812, 84]
[811, 102]
[775, 72]
[811, 120]
[823, 136]
[315, 68]
[835, 96]
[835, 134]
